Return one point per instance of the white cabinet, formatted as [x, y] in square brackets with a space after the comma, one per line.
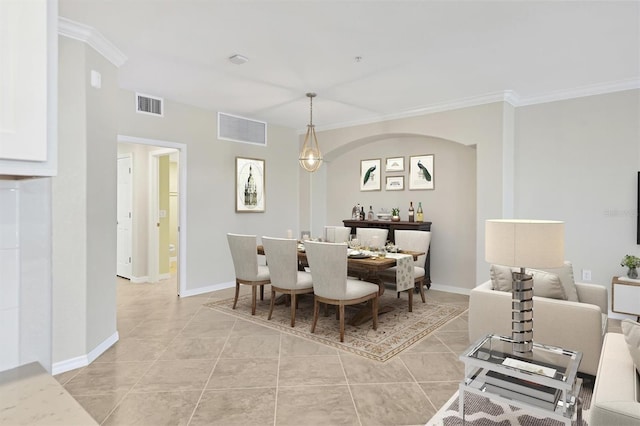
[28, 87]
[625, 296]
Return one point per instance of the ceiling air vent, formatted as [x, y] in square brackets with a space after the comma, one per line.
[239, 129]
[146, 104]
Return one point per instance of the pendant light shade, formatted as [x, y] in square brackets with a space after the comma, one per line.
[310, 156]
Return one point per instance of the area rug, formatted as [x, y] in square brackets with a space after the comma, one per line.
[397, 330]
[481, 411]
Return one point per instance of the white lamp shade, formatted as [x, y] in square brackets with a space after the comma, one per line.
[524, 243]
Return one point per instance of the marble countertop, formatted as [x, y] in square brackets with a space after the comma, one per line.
[31, 396]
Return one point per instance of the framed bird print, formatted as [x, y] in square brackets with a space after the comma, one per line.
[370, 175]
[421, 172]
[250, 196]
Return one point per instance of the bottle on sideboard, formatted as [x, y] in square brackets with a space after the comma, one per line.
[370, 214]
[419, 213]
[362, 216]
[411, 212]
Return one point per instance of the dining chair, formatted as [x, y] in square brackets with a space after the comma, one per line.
[282, 258]
[337, 234]
[245, 262]
[414, 241]
[328, 265]
[366, 236]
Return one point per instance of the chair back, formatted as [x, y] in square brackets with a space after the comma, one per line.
[365, 236]
[414, 241]
[328, 266]
[336, 234]
[245, 256]
[282, 258]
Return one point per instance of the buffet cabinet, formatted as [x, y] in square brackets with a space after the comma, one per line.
[392, 227]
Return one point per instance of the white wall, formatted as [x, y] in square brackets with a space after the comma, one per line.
[577, 161]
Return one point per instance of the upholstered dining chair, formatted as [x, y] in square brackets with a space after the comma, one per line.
[366, 236]
[337, 234]
[282, 258]
[414, 241]
[328, 265]
[245, 262]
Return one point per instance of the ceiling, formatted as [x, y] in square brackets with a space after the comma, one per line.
[416, 56]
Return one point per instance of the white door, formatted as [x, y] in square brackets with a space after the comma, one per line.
[124, 240]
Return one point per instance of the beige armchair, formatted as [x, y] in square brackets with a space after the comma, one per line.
[579, 326]
[328, 265]
[282, 258]
[245, 262]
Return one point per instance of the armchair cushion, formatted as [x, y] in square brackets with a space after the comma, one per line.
[631, 331]
[545, 284]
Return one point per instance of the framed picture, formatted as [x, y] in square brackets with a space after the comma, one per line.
[421, 174]
[250, 187]
[394, 164]
[370, 175]
[395, 183]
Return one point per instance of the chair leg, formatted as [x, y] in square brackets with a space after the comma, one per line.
[326, 309]
[341, 322]
[293, 309]
[235, 299]
[374, 308]
[421, 287]
[261, 292]
[410, 291]
[273, 302]
[316, 311]
[253, 300]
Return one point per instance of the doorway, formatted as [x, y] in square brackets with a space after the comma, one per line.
[158, 210]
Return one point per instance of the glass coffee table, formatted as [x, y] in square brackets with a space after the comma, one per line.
[544, 381]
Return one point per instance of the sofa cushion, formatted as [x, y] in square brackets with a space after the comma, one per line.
[545, 284]
[631, 331]
[565, 273]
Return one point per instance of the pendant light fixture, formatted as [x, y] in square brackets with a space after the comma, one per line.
[310, 156]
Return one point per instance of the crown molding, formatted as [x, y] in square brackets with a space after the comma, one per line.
[580, 92]
[89, 35]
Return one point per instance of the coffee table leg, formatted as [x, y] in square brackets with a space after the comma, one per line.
[461, 403]
[579, 411]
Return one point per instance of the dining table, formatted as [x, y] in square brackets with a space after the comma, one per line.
[365, 267]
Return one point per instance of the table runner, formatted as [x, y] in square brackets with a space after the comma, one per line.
[404, 271]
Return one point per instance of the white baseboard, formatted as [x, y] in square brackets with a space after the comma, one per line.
[84, 360]
[164, 276]
[451, 289]
[137, 280]
[208, 289]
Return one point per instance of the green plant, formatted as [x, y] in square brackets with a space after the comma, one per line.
[630, 261]
[395, 211]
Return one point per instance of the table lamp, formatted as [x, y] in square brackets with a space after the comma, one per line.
[524, 243]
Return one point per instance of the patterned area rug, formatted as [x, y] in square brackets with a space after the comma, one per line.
[397, 330]
[481, 411]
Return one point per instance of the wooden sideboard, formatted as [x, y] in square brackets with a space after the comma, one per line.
[392, 227]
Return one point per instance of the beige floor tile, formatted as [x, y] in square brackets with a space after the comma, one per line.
[252, 346]
[445, 297]
[457, 341]
[439, 392]
[129, 349]
[315, 405]
[392, 404]
[434, 367]
[175, 375]
[194, 348]
[66, 376]
[359, 370]
[244, 373]
[154, 409]
[429, 344]
[220, 327]
[246, 328]
[105, 377]
[309, 371]
[457, 324]
[99, 406]
[297, 346]
[231, 407]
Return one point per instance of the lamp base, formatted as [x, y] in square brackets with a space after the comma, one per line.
[522, 312]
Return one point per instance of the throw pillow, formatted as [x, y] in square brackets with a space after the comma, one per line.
[631, 331]
[547, 285]
[565, 273]
[500, 277]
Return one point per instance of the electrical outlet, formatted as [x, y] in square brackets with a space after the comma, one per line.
[586, 275]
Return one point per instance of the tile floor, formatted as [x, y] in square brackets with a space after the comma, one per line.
[178, 363]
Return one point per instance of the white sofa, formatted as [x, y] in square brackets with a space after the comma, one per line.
[579, 326]
[617, 389]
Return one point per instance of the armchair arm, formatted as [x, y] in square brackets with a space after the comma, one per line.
[593, 294]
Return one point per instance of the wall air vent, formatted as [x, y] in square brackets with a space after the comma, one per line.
[239, 129]
[146, 104]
